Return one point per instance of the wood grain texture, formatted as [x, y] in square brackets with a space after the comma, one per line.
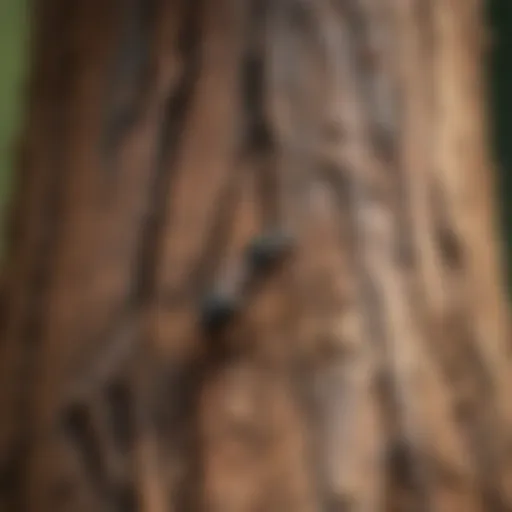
[369, 371]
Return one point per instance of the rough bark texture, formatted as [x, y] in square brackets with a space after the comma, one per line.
[369, 372]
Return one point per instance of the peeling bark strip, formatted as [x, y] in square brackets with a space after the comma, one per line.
[370, 372]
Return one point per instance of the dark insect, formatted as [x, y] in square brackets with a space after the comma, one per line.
[217, 310]
[262, 255]
[268, 249]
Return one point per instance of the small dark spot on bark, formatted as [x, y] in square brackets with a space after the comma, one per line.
[450, 247]
[267, 250]
[217, 310]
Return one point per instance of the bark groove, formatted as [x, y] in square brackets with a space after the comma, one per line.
[368, 370]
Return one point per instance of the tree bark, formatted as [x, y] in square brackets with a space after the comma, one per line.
[367, 370]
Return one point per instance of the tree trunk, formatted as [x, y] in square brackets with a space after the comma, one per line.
[253, 263]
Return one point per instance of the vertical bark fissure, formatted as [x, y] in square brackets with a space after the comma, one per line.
[171, 130]
[336, 489]
[184, 382]
[128, 74]
[259, 143]
[392, 236]
[385, 247]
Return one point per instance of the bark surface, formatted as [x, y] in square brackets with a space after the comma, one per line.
[370, 371]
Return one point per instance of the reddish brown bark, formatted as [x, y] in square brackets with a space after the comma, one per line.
[369, 371]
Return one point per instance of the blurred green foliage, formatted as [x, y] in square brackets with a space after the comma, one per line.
[13, 63]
